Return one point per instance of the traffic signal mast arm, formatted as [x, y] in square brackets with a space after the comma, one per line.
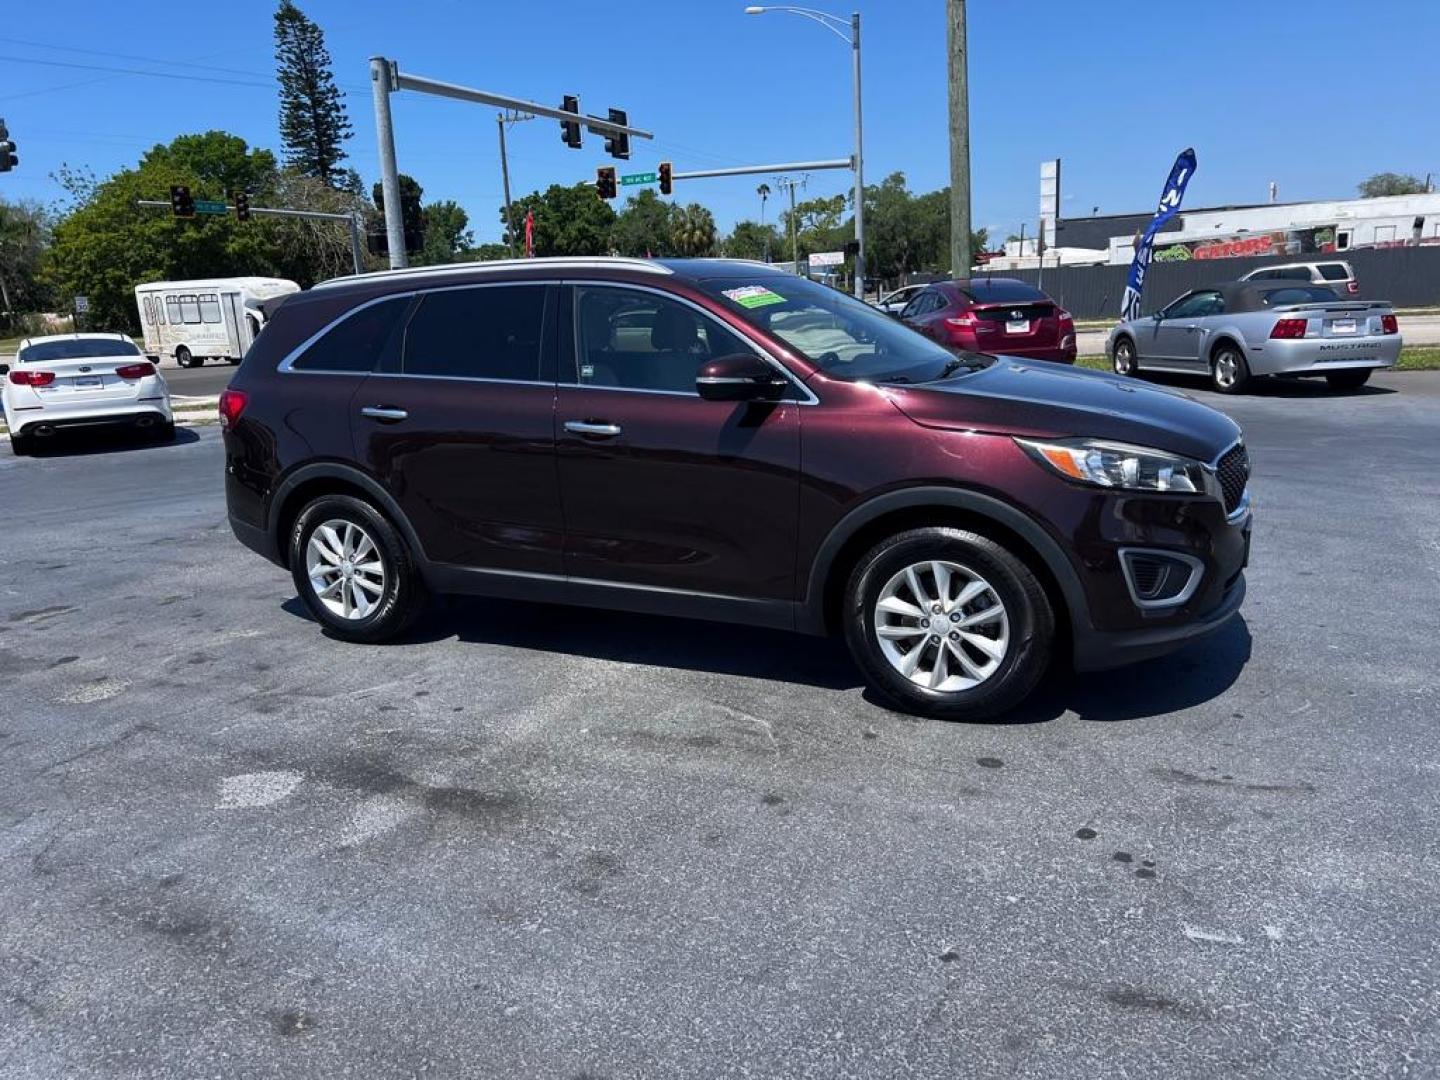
[401, 81]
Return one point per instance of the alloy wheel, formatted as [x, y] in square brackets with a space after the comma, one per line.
[345, 569]
[1124, 359]
[1226, 370]
[942, 626]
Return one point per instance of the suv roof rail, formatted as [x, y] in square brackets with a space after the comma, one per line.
[557, 261]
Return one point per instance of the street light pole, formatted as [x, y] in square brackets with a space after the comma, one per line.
[836, 25]
[859, 165]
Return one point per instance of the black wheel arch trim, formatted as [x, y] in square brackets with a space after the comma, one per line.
[810, 615]
[334, 470]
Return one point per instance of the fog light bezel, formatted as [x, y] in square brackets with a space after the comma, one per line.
[1192, 583]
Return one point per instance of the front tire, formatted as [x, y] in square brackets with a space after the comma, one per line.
[353, 570]
[1229, 373]
[1122, 358]
[1353, 379]
[947, 623]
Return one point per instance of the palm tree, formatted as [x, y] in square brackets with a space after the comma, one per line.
[692, 230]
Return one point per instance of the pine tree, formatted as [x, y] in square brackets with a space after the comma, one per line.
[313, 123]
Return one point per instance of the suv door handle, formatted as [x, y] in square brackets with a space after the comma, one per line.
[594, 429]
[380, 412]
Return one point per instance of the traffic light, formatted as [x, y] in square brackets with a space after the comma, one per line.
[605, 185]
[8, 160]
[617, 145]
[181, 204]
[570, 129]
[667, 185]
[241, 200]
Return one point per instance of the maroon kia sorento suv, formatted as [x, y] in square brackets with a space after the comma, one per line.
[725, 441]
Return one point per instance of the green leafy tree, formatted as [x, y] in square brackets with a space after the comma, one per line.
[568, 220]
[692, 230]
[107, 245]
[751, 240]
[24, 237]
[446, 232]
[1389, 183]
[412, 213]
[643, 227]
[310, 251]
[487, 253]
[313, 122]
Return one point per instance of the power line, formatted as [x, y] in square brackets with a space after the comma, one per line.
[111, 54]
[154, 74]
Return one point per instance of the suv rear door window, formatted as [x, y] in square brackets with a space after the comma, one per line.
[485, 332]
[357, 342]
[1334, 272]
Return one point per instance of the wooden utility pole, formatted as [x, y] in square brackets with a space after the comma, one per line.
[961, 257]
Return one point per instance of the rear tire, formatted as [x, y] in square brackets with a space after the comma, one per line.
[1122, 358]
[1229, 373]
[164, 433]
[21, 445]
[1353, 379]
[991, 662]
[184, 359]
[359, 559]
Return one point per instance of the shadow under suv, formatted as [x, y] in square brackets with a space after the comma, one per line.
[726, 441]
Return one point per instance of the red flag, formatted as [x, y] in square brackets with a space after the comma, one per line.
[529, 233]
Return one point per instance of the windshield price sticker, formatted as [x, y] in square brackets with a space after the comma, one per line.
[753, 296]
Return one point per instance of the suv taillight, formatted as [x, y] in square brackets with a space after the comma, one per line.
[1352, 287]
[1063, 315]
[1289, 328]
[232, 404]
[1389, 324]
[136, 371]
[31, 378]
[962, 322]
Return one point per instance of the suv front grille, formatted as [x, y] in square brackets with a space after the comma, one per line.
[1233, 472]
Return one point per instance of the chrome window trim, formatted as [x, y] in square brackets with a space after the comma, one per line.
[789, 376]
[1197, 573]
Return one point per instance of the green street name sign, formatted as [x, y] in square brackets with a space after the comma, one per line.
[207, 206]
[625, 181]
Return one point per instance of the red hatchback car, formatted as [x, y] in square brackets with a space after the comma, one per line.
[994, 315]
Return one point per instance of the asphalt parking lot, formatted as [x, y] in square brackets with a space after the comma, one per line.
[541, 842]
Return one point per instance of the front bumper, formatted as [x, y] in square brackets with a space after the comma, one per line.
[1319, 356]
[1099, 650]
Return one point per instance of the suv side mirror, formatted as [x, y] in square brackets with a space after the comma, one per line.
[1158, 316]
[744, 377]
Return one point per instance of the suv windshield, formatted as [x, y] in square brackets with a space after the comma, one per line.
[75, 349]
[843, 337]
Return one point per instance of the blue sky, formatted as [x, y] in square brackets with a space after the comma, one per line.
[1315, 96]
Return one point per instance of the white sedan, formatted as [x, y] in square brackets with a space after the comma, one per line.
[82, 380]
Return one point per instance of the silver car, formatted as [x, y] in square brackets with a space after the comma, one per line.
[1245, 329]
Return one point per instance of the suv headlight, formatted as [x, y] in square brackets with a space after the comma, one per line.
[1118, 465]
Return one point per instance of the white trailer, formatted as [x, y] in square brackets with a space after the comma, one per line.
[214, 319]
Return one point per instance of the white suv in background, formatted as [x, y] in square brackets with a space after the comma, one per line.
[82, 380]
[1338, 275]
